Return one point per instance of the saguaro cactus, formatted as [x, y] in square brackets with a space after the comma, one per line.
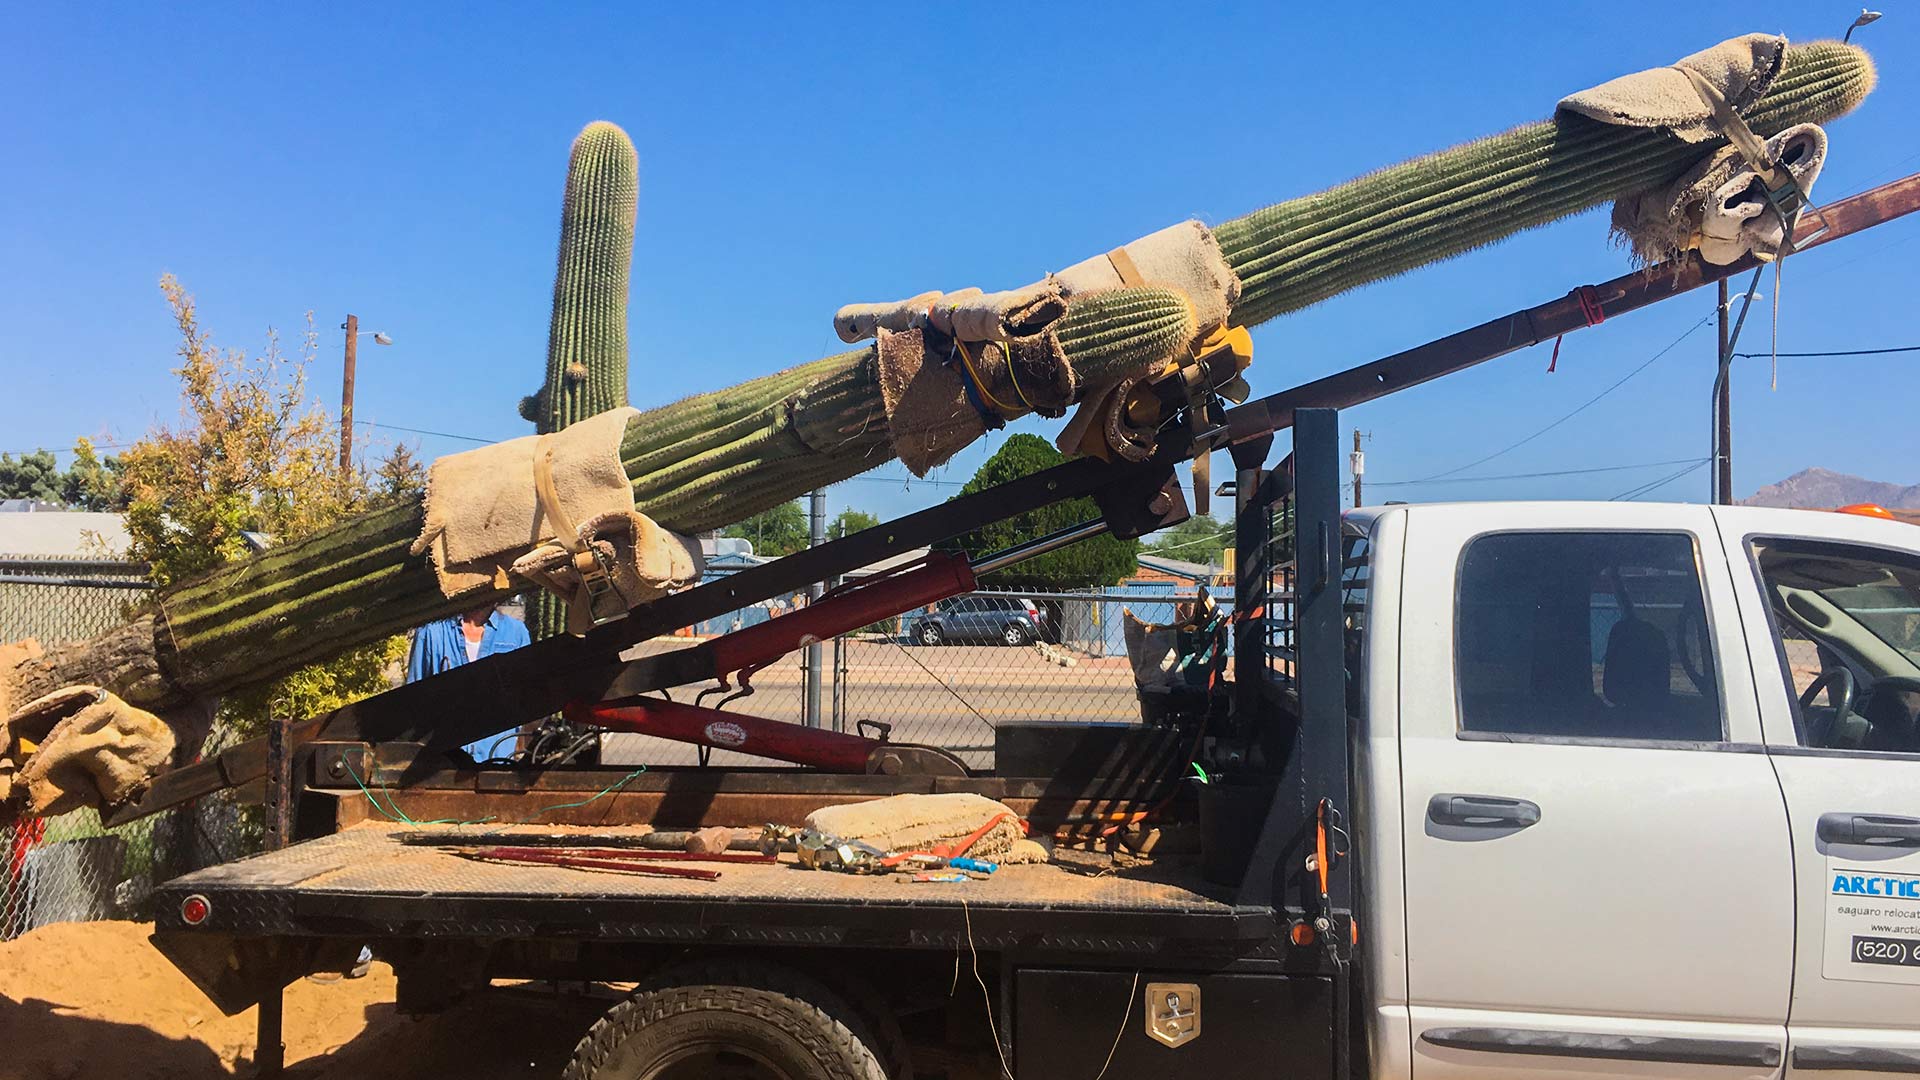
[587, 337]
[721, 457]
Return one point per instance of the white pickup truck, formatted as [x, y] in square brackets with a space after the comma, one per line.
[1626, 790]
[1640, 790]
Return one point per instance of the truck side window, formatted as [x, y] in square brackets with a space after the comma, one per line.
[1586, 635]
[1846, 622]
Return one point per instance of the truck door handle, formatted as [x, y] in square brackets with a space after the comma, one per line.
[1849, 827]
[1483, 811]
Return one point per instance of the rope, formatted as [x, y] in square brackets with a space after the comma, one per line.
[1590, 310]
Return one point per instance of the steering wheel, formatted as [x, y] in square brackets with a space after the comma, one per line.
[1842, 698]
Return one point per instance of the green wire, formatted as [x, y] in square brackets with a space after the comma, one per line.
[392, 811]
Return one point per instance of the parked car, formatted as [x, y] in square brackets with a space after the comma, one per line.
[1009, 620]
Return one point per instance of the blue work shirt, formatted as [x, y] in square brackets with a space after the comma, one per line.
[441, 646]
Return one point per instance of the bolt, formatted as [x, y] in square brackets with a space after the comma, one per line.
[1161, 503]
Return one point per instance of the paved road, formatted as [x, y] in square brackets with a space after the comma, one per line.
[948, 695]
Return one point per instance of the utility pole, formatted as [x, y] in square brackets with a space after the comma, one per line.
[817, 535]
[1723, 411]
[1359, 460]
[346, 396]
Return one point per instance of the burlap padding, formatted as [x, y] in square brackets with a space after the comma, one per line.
[1185, 257]
[647, 563]
[968, 314]
[12, 655]
[93, 749]
[929, 417]
[1740, 68]
[917, 822]
[1152, 649]
[999, 316]
[1719, 205]
[858, 322]
[483, 512]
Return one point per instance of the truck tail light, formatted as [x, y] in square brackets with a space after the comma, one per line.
[195, 909]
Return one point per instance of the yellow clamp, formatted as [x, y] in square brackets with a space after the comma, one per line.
[1214, 366]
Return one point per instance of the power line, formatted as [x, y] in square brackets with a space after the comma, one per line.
[1635, 492]
[1538, 475]
[424, 431]
[1844, 352]
[1590, 402]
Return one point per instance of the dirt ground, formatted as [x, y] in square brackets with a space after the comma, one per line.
[86, 1000]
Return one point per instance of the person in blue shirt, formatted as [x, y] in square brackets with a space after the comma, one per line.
[461, 639]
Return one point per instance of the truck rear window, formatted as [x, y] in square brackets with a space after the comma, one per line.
[1598, 635]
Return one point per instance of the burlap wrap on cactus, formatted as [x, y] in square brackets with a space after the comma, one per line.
[1740, 68]
[483, 510]
[78, 747]
[643, 563]
[1720, 205]
[969, 314]
[1185, 258]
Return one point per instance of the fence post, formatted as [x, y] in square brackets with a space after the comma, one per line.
[279, 782]
[818, 535]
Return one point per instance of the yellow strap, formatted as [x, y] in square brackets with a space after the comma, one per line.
[980, 384]
[1123, 265]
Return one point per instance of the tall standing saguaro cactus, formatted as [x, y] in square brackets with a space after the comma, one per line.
[587, 337]
[720, 457]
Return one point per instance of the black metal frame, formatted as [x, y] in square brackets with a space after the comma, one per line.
[501, 692]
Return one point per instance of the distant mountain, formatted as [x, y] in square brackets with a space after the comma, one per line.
[1824, 488]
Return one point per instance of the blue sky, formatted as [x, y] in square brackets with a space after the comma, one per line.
[404, 162]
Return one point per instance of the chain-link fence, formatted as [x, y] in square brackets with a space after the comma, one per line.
[948, 675]
[70, 868]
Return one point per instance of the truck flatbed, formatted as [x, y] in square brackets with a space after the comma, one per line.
[371, 882]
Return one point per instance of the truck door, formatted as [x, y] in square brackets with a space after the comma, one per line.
[1597, 871]
[1835, 624]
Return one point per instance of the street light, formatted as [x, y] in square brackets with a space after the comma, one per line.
[1865, 18]
[354, 334]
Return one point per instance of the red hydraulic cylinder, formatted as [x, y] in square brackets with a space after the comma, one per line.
[848, 608]
[829, 751]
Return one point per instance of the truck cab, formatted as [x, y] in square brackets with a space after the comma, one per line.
[1639, 787]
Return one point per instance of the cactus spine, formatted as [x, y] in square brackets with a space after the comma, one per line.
[716, 458]
[587, 337]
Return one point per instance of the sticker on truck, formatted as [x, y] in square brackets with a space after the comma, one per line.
[1873, 925]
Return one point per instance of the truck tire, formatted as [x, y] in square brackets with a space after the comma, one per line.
[732, 1020]
[1016, 635]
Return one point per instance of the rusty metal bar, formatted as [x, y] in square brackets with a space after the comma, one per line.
[1531, 326]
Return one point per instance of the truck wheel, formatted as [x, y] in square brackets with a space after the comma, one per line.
[1015, 635]
[929, 634]
[728, 1022]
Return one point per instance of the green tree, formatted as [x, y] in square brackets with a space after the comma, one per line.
[92, 482]
[1199, 539]
[1103, 560]
[848, 522]
[252, 453]
[401, 477]
[32, 475]
[776, 532]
